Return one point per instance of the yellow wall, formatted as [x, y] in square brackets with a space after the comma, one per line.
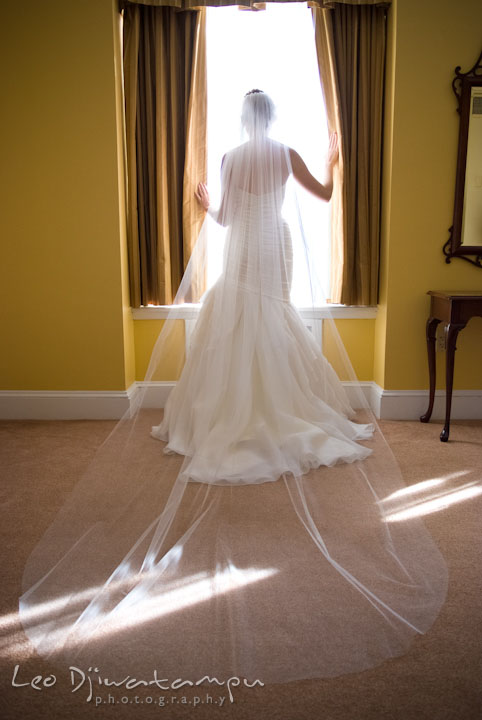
[427, 41]
[66, 322]
[170, 363]
[357, 337]
[61, 186]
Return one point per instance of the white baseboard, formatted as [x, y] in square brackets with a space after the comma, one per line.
[410, 404]
[154, 394]
[64, 405]
[112, 405]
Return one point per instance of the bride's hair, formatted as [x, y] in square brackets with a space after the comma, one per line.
[258, 112]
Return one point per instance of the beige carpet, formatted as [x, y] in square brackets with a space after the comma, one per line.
[439, 678]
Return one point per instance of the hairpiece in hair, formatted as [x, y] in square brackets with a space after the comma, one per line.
[251, 92]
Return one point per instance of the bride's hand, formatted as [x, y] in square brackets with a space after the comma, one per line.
[202, 195]
[332, 154]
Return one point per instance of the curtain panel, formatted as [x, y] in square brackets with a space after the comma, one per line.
[350, 41]
[165, 95]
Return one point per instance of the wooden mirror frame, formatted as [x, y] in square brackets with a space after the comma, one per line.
[462, 85]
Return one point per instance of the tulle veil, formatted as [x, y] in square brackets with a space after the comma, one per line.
[258, 528]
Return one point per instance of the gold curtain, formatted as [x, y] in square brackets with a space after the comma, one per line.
[165, 92]
[195, 164]
[350, 41]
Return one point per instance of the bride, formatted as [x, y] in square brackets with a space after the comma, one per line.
[267, 540]
[257, 398]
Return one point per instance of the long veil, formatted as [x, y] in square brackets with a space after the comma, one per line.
[257, 528]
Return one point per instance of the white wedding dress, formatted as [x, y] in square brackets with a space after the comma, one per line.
[265, 540]
[257, 398]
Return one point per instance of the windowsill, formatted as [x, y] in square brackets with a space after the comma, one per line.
[191, 311]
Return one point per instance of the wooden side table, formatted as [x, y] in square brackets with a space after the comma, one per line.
[455, 310]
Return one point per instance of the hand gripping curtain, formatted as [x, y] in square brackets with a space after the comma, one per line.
[258, 527]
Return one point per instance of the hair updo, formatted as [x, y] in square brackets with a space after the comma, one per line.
[258, 111]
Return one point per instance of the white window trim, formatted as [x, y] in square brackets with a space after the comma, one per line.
[190, 312]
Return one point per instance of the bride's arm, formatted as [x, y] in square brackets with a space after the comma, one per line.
[306, 179]
[202, 195]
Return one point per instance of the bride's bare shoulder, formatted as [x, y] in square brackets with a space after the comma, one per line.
[234, 152]
[297, 163]
[281, 147]
[292, 153]
[238, 148]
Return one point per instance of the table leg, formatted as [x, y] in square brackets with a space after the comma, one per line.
[431, 330]
[451, 332]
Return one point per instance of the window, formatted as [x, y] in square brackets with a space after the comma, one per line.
[274, 50]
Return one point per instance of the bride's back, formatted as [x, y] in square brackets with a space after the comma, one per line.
[258, 167]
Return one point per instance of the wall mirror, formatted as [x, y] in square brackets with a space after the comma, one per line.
[465, 239]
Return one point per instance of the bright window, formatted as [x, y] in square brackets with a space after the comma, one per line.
[274, 50]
